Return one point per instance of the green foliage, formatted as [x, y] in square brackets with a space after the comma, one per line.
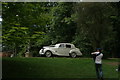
[87, 25]
[93, 20]
[63, 26]
[94, 26]
[23, 28]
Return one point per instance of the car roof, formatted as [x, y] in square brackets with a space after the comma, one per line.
[64, 43]
[67, 43]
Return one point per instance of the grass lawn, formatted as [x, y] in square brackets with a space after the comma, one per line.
[57, 67]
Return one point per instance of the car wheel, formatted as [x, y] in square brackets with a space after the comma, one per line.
[73, 55]
[48, 54]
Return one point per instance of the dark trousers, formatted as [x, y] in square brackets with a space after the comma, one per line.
[99, 71]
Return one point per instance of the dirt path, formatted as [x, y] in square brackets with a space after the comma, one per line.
[112, 63]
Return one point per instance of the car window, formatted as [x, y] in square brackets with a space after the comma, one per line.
[68, 46]
[52, 45]
[61, 46]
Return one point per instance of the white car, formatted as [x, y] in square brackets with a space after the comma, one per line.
[61, 49]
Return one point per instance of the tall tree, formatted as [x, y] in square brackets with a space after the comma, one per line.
[28, 22]
[94, 25]
[63, 27]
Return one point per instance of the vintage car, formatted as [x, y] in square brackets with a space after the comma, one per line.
[61, 49]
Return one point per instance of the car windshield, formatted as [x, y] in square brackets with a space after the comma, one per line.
[57, 45]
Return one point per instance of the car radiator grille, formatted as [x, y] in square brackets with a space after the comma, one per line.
[43, 50]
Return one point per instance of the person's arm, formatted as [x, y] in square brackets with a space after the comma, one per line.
[93, 53]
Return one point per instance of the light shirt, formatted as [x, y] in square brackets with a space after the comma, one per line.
[98, 59]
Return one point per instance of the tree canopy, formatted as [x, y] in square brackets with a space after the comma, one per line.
[29, 26]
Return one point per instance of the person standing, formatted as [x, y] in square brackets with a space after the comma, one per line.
[97, 56]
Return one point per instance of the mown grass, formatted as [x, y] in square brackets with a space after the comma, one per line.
[42, 67]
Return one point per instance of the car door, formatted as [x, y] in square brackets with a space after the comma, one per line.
[60, 49]
[67, 49]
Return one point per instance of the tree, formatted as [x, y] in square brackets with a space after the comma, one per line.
[25, 26]
[63, 27]
[115, 20]
[94, 25]
[87, 25]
